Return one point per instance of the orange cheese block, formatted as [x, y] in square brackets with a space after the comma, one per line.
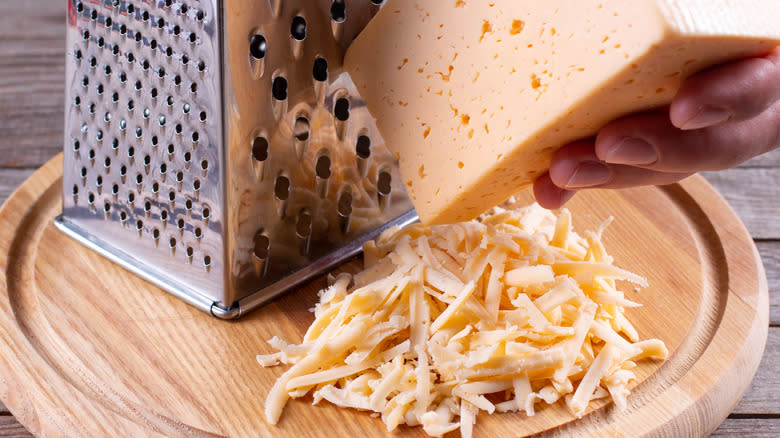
[474, 96]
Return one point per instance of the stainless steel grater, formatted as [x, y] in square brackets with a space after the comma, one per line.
[216, 147]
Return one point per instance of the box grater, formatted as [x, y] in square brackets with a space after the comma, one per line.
[216, 147]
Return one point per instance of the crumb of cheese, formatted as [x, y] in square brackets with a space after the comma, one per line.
[515, 305]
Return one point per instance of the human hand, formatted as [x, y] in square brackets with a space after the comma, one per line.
[719, 118]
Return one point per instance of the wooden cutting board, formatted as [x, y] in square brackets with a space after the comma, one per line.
[87, 349]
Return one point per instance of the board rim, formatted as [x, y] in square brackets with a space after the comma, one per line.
[745, 293]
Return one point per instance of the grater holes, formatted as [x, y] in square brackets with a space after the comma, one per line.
[169, 100]
[139, 37]
[160, 23]
[177, 80]
[101, 42]
[363, 147]
[320, 69]
[85, 35]
[123, 216]
[341, 109]
[85, 82]
[164, 215]
[115, 50]
[93, 15]
[260, 149]
[153, 93]
[122, 77]
[180, 224]
[145, 65]
[91, 108]
[145, 16]
[202, 116]
[201, 66]
[200, 15]
[194, 87]
[279, 88]
[139, 132]
[207, 262]
[130, 57]
[176, 30]
[76, 145]
[262, 246]
[322, 168]
[338, 11]
[92, 62]
[122, 30]
[130, 8]
[204, 165]
[107, 70]
[298, 28]
[161, 73]
[153, 44]
[301, 129]
[169, 51]
[138, 85]
[185, 59]
[77, 101]
[183, 8]
[384, 183]
[282, 188]
[377, 2]
[196, 184]
[79, 7]
[172, 244]
[193, 37]
[147, 113]
[257, 46]
[99, 89]
[130, 105]
[185, 108]
[108, 22]
[344, 209]
[115, 97]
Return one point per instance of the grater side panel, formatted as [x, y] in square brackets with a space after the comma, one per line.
[143, 129]
[307, 171]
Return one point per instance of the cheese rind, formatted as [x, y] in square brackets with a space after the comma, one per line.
[475, 96]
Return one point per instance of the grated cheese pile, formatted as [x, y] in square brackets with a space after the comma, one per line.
[495, 314]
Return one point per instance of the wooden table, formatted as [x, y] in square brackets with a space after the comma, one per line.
[32, 70]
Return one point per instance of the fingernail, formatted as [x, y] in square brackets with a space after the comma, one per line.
[707, 116]
[589, 174]
[632, 151]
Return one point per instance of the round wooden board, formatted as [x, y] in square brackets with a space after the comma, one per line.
[88, 349]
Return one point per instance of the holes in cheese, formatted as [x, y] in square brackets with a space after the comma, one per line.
[499, 314]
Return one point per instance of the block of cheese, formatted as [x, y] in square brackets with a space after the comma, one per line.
[474, 96]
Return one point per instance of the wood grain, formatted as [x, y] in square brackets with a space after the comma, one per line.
[31, 100]
[753, 190]
[83, 326]
[749, 427]
[770, 254]
[762, 397]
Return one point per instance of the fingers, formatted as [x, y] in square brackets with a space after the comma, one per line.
[652, 142]
[577, 166]
[548, 195]
[732, 92]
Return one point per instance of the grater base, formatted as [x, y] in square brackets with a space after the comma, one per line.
[247, 303]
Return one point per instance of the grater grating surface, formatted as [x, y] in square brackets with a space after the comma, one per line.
[217, 149]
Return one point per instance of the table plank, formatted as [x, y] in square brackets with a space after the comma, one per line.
[754, 193]
[749, 427]
[763, 396]
[32, 80]
[10, 428]
[770, 255]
